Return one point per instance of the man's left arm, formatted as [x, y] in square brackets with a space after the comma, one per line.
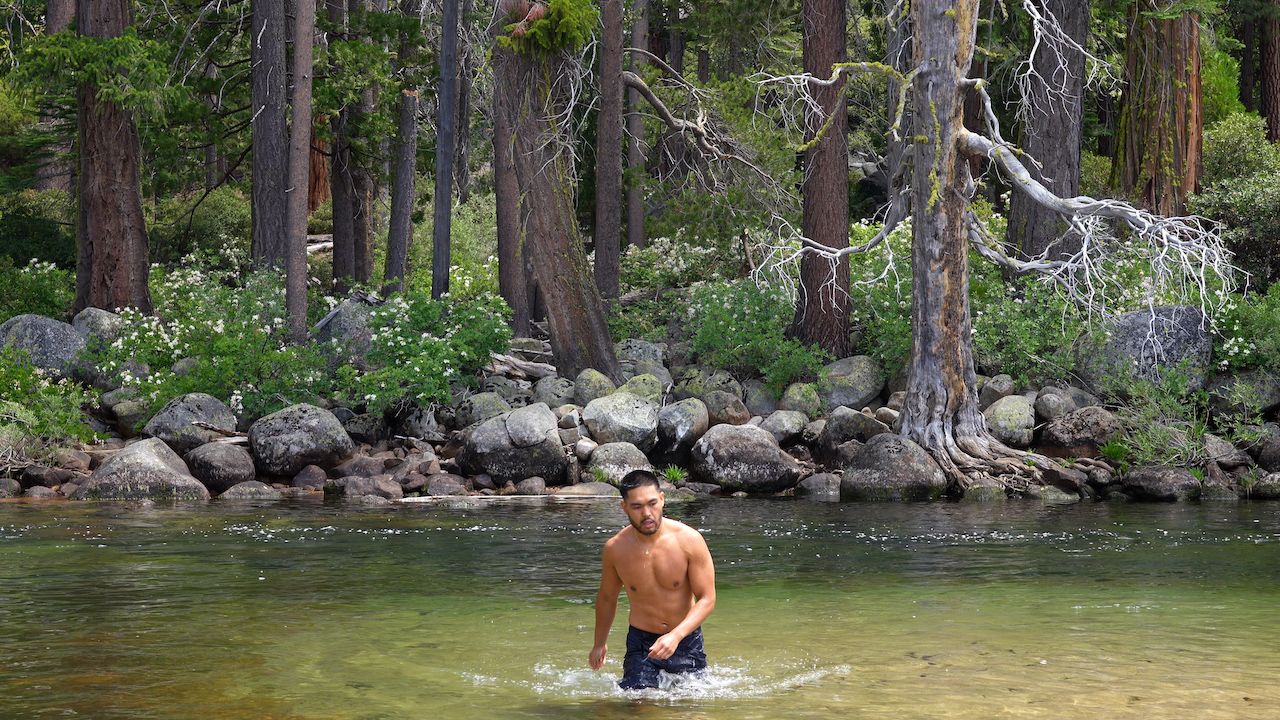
[702, 581]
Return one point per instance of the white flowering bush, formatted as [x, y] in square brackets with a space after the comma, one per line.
[39, 287]
[740, 326]
[421, 346]
[671, 263]
[1248, 332]
[232, 326]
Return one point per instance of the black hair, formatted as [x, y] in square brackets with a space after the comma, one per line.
[636, 479]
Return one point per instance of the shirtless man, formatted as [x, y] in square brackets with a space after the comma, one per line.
[671, 585]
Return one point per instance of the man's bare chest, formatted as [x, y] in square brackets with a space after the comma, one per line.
[662, 569]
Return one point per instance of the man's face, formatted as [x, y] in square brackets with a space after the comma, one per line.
[643, 507]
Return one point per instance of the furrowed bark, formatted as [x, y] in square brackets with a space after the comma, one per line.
[822, 309]
[113, 264]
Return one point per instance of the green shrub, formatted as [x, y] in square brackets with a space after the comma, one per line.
[38, 414]
[740, 326]
[1023, 328]
[220, 221]
[1248, 333]
[1219, 82]
[1095, 170]
[38, 225]
[422, 346]
[1237, 147]
[1166, 419]
[473, 249]
[672, 263]
[880, 286]
[1250, 208]
[39, 288]
[320, 222]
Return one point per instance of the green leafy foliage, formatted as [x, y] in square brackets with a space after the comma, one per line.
[129, 70]
[1219, 82]
[740, 326]
[37, 413]
[473, 246]
[674, 474]
[1249, 332]
[38, 288]
[422, 346]
[203, 224]
[38, 225]
[538, 30]
[1237, 147]
[1166, 420]
[232, 326]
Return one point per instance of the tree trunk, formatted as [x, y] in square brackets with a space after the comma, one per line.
[1159, 138]
[446, 109]
[56, 172]
[822, 309]
[318, 182]
[535, 91]
[608, 240]
[270, 132]
[212, 178]
[341, 182]
[404, 189]
[1269, 61]
[513, 266]
[299, 171]
[363, 187]
[941, 412]
[113, 264]
[675, 51]
[466, 69]
[1248, 80]
[635, 132]
[1053, 136]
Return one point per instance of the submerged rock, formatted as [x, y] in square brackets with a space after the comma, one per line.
[251, 490]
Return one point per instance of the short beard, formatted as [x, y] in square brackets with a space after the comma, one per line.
[657, 525]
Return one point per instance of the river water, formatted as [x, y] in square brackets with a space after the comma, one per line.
[308, 611]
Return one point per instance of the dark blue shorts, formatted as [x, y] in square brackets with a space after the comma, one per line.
[641, 671]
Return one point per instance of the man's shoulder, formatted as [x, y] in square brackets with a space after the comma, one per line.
[616, 539]
[683, 532]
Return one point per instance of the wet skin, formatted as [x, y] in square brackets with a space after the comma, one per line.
[667, 572]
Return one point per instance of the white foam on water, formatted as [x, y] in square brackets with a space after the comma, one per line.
[734, 679]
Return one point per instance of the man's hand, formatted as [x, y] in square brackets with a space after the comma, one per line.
[597, 656]
[665, 647]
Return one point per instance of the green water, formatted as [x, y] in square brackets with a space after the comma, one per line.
[307, 611]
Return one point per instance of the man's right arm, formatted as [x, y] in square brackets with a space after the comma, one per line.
[606, 608]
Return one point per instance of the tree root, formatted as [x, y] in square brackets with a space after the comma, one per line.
[981, 459]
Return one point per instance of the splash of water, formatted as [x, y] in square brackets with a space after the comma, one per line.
[734, 679]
